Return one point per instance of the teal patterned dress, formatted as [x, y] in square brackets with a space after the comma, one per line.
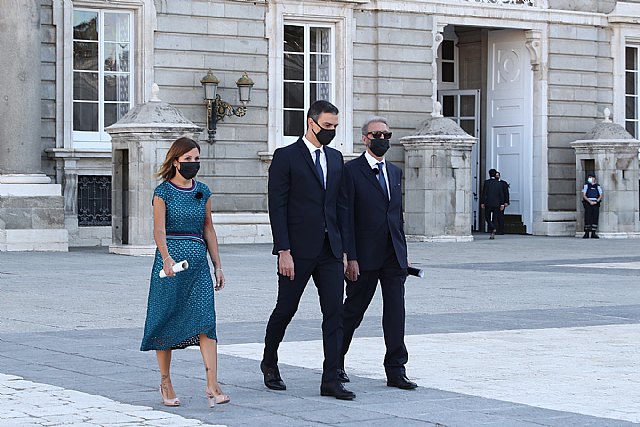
[180, 308]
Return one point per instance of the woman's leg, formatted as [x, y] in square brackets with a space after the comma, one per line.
[164, 363]
[209, 350]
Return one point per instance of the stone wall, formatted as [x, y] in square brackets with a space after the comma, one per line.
[601, 6]
[48, 72]
[392, 59]
[228, 37]
[580, 87]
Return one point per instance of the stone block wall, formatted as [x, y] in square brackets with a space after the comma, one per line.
[48, 86]
[580, 87]
[392, 73]
[227, 37]
[601, 6]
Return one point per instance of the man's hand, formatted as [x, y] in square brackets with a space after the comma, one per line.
[285, 264]
[344, 263]
[353, 270]
[482, 205]
[501, 207]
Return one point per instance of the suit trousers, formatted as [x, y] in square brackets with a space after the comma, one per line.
[328, 275]
[499, 221]
[491, 216]
[359, 296]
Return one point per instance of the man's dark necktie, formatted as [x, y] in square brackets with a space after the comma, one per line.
[319, 167]
[382, 180]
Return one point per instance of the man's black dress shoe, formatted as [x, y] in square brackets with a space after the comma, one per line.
[337, 390]
[401, 381]
[342, 376]
[272, 377]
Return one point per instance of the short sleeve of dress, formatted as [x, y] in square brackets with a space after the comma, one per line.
[205, 191]
[161, 191]
[584, 189]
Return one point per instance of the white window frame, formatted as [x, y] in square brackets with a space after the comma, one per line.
[307, 69]
[636, 94]
[101, 138]
[449, 35]
[625, 34]
[340, 18]
[144, 24]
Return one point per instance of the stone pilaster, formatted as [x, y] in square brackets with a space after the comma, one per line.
[140, 141]
[31, 208]
[438, 190]
[612, 154]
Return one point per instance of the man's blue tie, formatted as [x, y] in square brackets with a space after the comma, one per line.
[383, 182]
[319, 167]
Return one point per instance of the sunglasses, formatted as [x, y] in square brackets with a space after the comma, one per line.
[380, 134]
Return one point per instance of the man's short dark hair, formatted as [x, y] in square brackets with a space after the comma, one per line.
[319, 107]
[492, 173]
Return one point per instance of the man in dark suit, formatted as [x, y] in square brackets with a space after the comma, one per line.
[492, 201]
[376, 248]
[505, 196]
[304, 185]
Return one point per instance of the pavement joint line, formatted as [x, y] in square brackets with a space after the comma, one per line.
[631, 265]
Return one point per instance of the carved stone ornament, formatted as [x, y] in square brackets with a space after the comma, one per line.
[532, 3]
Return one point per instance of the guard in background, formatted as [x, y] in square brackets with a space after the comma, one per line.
[492, 201]
[591, 197]
[505, 195]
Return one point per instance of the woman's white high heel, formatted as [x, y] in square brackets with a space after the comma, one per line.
[216, 400]
[169, 402]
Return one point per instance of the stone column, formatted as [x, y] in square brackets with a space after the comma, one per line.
[438, 190]
[612, 154]
[20, 103]
[31, 209]
[140, 141]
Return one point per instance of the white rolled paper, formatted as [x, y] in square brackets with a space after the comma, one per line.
[177, 268]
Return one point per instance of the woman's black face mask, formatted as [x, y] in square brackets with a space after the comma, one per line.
[189, 169]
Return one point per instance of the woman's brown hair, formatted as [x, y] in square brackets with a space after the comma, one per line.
[177, 149]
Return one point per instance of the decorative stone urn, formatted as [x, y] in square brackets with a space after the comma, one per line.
[438, 182]
[140, 142]
[611, 153]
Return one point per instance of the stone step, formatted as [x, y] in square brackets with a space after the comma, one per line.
[513, 225]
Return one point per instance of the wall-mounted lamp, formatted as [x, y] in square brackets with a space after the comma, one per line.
[217, 109]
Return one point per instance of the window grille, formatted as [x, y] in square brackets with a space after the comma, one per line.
[94, 200]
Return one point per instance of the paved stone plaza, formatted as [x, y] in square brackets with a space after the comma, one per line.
[519, 331]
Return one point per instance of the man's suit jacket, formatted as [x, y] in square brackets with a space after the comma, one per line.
[300, 209]
[492, 193]
[371, 216]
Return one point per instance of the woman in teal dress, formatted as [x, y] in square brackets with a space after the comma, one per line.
[181, 309]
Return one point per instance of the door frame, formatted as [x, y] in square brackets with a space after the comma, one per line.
[475, 151]
[526, 119]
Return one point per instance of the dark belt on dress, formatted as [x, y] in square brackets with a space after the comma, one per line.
[173, 235]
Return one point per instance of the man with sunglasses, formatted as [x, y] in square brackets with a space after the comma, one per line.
[303, 189]
[376, 248]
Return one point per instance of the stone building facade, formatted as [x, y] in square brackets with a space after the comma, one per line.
[526, 77]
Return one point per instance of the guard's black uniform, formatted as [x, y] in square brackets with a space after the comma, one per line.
[591, 212]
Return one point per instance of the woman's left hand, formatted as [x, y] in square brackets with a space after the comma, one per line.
[219, 279]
